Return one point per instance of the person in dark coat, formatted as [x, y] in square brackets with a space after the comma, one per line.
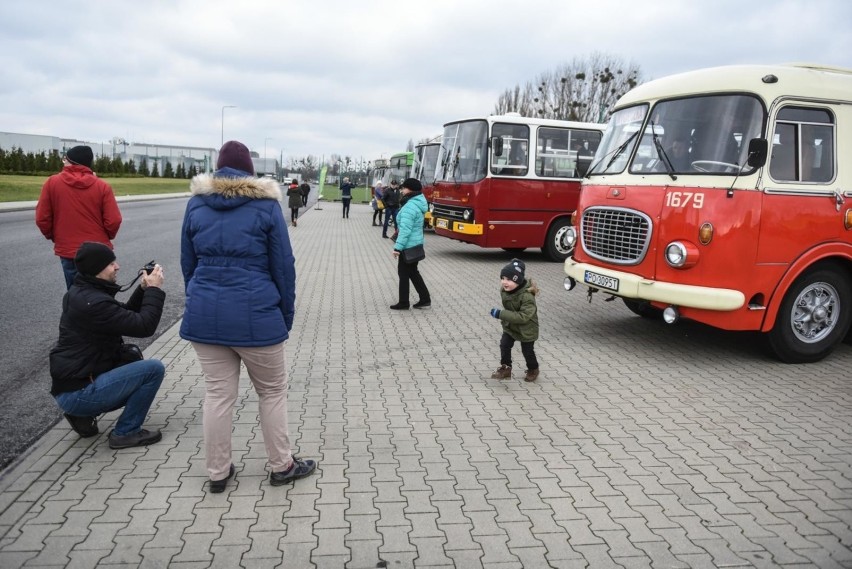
[392, 197]
[294, 201]
[240, 277]
[93, 371]
[346, 196]
[305, 190]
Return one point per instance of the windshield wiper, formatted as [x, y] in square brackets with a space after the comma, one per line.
[616, 153]
[661, 152]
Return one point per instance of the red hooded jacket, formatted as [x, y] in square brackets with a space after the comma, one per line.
[76, 206]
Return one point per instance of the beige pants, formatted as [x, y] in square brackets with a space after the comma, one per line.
[267, 368]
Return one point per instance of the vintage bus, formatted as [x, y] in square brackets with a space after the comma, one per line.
[380, 173]
[511, 182]
[721, 196]
[425, 165]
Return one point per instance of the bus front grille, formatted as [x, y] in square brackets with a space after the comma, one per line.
[616, 235]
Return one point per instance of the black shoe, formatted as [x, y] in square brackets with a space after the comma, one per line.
[218, 486]
[384, 236]
[400, 306]
[299, 469]
[84, 426]
[139, 439]
[423, 304]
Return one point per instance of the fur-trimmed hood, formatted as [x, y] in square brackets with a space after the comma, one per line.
[225, 192]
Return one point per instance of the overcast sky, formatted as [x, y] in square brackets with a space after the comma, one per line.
[354, 78]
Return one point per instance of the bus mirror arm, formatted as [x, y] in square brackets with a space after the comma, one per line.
[758, 150]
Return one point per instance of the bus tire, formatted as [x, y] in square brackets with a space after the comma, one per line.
[643, 309]
[814, 315]
[555, 246]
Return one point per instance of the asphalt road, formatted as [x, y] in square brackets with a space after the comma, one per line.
[32, 286]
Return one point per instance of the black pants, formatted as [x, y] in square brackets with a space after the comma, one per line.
[304, 200]
[377, 213]
[408, 272]
[294, 213]
[346, 202]
[527, 349]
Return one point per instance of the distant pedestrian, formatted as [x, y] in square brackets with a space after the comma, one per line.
[392, 200]
[294, 201]
[305, 190]
[92, 369]
[240, 277]
[346, 196]
[378, 203]
[410, 228]
[76, 206]
[519, 317]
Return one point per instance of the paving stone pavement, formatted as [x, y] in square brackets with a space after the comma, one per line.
[641, 445]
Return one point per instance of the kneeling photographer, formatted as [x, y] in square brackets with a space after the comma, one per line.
[93, 370]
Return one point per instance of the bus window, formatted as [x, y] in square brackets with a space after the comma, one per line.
[802, 149]
[513, 157]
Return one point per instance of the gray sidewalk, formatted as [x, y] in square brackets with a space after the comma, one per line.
[640, 445]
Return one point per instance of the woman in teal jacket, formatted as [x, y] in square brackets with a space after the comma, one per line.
[409, 222]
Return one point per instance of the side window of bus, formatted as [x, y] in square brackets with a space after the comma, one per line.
[554, 154]
[803, 146]
[510, 157]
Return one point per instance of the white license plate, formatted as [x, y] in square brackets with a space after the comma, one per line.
[602, 281]
[441, 223]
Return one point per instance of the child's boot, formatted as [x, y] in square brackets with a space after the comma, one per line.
[503, 372]
[531, 375]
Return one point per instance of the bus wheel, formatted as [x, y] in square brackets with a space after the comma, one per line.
[814, 316]
[556, 246]
[643, 309]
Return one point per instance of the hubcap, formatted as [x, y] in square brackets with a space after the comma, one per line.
[561, 241]
[815, 312]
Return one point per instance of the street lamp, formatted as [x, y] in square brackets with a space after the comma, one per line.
[265, 171]
[223, 121]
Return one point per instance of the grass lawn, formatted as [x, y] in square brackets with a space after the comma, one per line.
[28, 188]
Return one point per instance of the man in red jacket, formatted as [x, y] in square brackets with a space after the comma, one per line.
[76, 206]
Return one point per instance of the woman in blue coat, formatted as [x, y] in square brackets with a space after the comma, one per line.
[409, 222]
[240, 277]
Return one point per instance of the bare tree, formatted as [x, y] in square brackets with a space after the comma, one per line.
[582, 90]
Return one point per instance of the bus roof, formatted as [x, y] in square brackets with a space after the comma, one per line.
[793, 79]
[533, 121]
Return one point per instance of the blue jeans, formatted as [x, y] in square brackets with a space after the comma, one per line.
[389, 212]
[70, 270]
[132, 386]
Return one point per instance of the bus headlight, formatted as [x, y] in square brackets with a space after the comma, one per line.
[681, 255]
[571, 237]
[467, 215]
[431, 208]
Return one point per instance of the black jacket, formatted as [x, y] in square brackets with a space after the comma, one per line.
[91, 329]
[391, 198]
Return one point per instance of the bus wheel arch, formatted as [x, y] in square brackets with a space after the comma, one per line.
[555, 244]
[814, 315]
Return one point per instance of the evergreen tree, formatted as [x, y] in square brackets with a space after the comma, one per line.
[181, 171]
[167, 171]
[155, 173]
[192, 171]
[143, 168]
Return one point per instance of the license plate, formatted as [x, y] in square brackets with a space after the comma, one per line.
[602, 281]
[441, 224]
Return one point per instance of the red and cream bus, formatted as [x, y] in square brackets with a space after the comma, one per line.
[511, 182]
[721, 196]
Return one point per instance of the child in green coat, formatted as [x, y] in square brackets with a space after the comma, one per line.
[519, 317]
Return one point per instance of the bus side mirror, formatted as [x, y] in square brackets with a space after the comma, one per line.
[758, 150]
[583, 163]
[497, 146]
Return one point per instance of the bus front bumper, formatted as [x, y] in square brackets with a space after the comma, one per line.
[628, 285]
[457, 226]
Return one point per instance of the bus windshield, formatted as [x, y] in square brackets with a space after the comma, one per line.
[464, 156]
[700, 135]
[619, 140]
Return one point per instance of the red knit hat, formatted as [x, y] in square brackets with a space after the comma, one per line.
[235, 155]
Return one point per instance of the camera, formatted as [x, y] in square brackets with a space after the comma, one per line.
[149, 268]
